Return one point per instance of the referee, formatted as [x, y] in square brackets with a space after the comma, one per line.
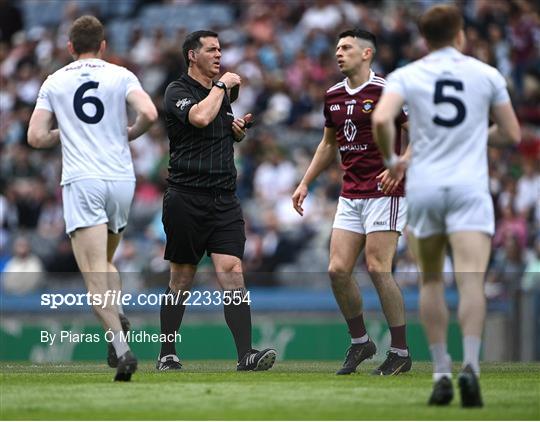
[201, 212]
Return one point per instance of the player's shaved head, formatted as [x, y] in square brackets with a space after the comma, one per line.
[440, 25]
[86, 34]
[365, 38]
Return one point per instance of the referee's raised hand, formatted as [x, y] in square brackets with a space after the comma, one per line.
[239, 127]
[230, 79]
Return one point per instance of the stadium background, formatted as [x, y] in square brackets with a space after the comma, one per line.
[284, 53]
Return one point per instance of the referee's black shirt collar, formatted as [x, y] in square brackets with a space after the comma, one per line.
[185, 77]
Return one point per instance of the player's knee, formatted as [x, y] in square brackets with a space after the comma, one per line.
[376, 266]
[338, 272]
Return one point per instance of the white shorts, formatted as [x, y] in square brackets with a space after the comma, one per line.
[91, 202]
[445, 210]
[364, 216]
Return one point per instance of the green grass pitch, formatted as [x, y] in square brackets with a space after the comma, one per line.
[290, 391]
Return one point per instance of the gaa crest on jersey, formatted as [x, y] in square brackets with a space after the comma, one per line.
[367, 106]
[334, 107]
[183, 103]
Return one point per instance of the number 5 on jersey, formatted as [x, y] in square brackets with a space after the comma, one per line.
[440, 98]
[79, 101]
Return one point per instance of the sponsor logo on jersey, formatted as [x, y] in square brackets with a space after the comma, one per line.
[367, 106]
[183, 103]
[355, 147]
[350, 102]
[334, 107]
[349, 130]
[379, 223]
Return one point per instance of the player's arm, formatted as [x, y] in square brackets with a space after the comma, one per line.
[405, 137]
[383, 127]
[388, 182]
[324, 156]
[506, 130]
[40, 134]
[146, 113]
[204, 112]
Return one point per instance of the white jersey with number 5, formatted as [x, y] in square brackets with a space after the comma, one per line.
[88, 98]
[448, 95]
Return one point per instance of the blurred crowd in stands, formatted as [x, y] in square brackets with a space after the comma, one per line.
[284, 52]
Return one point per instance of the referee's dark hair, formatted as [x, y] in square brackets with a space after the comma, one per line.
[362, 34]
[193, 42]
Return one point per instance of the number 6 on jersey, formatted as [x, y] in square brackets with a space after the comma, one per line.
[79, 101]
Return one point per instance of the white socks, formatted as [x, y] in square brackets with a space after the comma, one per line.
[442, 363]
[471, 352]
[400, 352]
[360, 340]
[120, 346]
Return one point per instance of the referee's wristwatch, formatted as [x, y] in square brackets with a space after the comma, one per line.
[221, 85]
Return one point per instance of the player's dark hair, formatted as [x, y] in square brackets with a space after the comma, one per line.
[440, 25]
[193, 42]
[361, 34]
[86, 34]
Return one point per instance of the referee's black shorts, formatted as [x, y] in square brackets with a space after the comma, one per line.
[196, 221]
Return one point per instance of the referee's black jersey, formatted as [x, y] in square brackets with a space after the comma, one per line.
[199, 157]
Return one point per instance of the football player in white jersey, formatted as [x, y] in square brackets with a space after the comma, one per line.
[450, 98]
[89, 99]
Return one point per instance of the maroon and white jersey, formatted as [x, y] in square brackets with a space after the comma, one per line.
[349, 112]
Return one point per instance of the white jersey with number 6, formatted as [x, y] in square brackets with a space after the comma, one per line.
[88, 98]
[448, 95]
